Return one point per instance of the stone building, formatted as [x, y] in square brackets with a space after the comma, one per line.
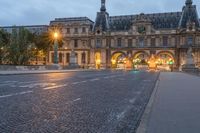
[35, 29]
[112, 41]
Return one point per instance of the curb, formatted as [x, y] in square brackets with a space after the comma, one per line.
[47, 72]
[145, 117]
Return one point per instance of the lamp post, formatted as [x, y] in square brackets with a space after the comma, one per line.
[55, 48]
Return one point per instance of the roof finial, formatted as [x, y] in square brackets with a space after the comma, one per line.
[188, 2]
[103, 5]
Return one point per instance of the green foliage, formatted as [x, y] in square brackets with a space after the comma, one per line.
[4, 40]
[21, 47]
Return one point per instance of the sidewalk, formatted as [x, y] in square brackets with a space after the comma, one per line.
[176, 105]
[39, 72]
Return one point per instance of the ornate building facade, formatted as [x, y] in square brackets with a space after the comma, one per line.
[116, 41]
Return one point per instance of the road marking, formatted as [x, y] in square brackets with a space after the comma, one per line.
[54, 87]
[132, 100]
[37, 84]
[78, 99]
[75, 83]
[16, 94]
[94, 79]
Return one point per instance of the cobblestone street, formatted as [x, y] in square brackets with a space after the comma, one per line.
[74, 102]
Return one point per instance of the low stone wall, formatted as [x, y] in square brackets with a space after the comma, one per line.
[21, 68]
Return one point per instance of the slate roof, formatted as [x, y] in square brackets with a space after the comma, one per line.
[158, 20]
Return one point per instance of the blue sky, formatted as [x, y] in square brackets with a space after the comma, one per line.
[28, 12]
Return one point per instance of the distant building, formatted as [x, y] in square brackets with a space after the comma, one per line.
[112, 41]
[36, 29]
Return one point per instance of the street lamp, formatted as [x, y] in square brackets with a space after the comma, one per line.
[56, 48]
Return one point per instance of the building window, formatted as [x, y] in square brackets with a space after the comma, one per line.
[60, 57]
[76, 30]
[98, 43]
[52, 57]
[130, 42]
[67, 57]
[165, 41]
[68, 30]
[153, 42]
[119, 42]
[141, 42]
[75, 43]
[108, 43]
[83, 58]
[83, 30]
[190, 40]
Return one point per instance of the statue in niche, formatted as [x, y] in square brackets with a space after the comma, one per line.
[189, 57]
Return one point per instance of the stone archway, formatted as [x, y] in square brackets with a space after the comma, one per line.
[141, 58]
[118, 60]
[165, 60]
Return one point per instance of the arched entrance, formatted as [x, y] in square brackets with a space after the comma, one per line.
[165, 60]
[140, 59]
[97, 60]
[118, 60]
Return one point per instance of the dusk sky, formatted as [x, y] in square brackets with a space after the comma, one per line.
[33, 12]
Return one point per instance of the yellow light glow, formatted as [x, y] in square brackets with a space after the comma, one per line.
[56, 35]
[98, 61]
[113, 61]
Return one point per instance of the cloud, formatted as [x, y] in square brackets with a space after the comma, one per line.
[28, 12]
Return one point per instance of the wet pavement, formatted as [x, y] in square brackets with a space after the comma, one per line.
[74, 102]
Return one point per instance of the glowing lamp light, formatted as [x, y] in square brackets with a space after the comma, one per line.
[55, 35]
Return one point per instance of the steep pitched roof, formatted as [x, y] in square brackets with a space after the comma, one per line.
[189, 15]
[158, 20]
